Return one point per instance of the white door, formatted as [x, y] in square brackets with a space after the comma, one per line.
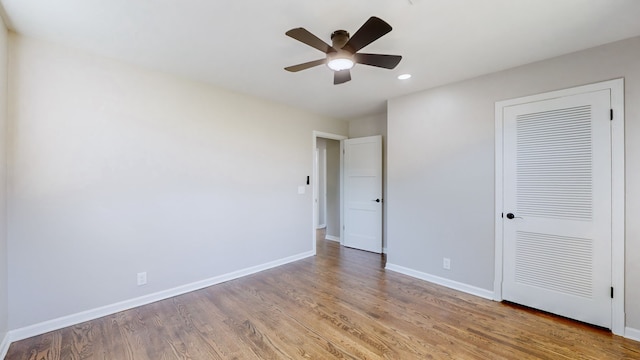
[363, 193]
[557, 206]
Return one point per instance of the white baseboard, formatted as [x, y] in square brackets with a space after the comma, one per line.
[62, 322]
[4, 346]
[469, 289]
[332, 238]
[384, 250]
[631, 333]
[73, 319]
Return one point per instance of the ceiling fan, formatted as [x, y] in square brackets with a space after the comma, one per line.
[343, 54]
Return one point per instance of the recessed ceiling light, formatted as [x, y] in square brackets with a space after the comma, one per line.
[404, 76]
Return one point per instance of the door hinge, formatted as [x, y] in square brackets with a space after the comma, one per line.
[611, 114]
[612, 292]
[502, 215]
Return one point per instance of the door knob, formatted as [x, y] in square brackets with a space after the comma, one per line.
[510, 216]
[377, 200]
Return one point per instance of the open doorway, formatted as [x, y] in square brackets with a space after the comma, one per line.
[327, 186]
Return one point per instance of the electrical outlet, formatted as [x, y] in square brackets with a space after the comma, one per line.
[142, 278]
[446, 263]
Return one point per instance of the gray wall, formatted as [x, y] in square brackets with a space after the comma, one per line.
[441, 165]
[369, 126]
[333, 188]
[4, 307]
[115, 169]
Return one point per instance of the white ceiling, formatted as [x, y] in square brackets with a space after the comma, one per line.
[240, 45]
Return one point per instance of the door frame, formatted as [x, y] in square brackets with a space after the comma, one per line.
[617, 190]
[315, 136]
[315, 181]
[322, 190]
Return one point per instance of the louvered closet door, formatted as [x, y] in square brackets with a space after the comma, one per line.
[557, 184]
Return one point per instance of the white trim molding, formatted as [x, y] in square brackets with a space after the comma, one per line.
[616, 87]
[332, 238]
[469, 289]
[631, 333]
[73, 319]
[4, 346]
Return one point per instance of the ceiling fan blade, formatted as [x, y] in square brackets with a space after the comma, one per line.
[372, 30]
[303, 66]
[303, 35]
[340, 77]
[379, 60]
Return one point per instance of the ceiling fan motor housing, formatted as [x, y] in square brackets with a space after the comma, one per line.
[341, 59]
[339, 38]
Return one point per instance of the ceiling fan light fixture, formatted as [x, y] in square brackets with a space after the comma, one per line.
[341, 63]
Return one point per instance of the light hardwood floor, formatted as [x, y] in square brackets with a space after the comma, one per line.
[341, 304]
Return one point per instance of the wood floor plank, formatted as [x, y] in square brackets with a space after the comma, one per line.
[340, 304]
[348, 321]
[296, 339]
[309, 313]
